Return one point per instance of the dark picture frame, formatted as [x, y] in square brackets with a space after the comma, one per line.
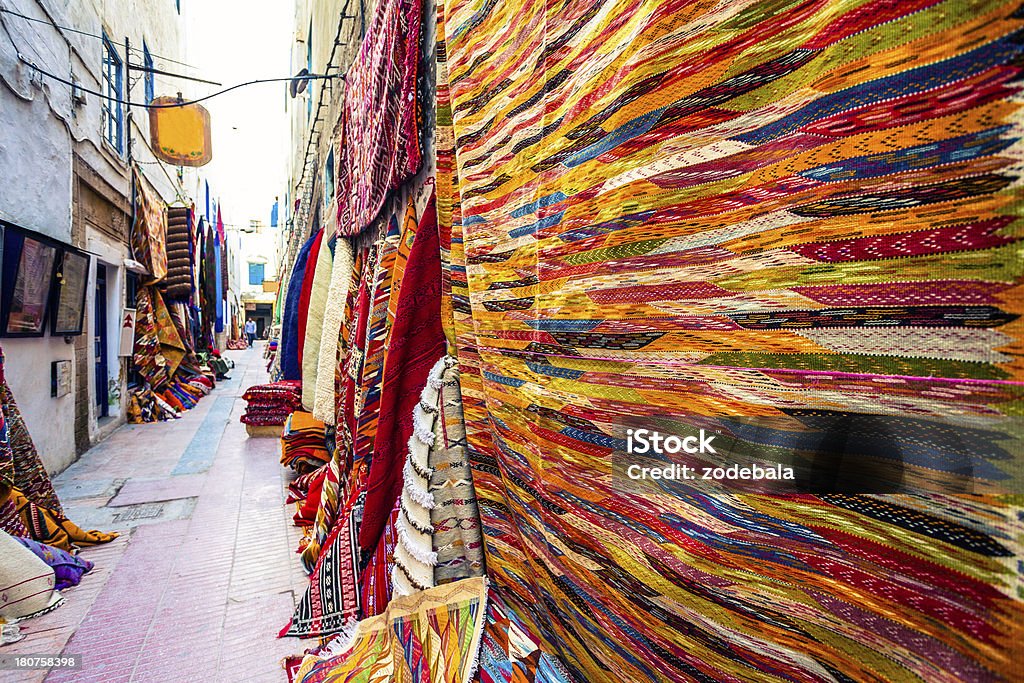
[67, 314]
[28, 269]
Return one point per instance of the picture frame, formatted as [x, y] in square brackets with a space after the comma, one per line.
[67, 315]
[28, 270]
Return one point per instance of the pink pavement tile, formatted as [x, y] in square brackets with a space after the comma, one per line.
[136, 491]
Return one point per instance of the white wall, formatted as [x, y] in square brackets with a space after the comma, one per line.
[35, 192]
[40, 131]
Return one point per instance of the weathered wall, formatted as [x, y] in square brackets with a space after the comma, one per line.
[35, 192]
[48, 147]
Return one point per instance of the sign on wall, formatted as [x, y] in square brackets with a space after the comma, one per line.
[127, 343]
[60, 378]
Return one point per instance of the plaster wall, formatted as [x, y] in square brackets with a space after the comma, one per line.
[43, 135]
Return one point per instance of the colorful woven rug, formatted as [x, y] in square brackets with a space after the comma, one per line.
[793, 212]
[149, 230]
[432, 635]
[415, 344]
[380, 145]
[20, 465]
[511, 654]
[331, 602]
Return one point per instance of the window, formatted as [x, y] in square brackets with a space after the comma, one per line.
[309, 69]
[113, 123]
[329, 178]
[256, 273]
[147, 62]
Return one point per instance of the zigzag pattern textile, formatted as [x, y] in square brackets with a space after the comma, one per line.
[793, 212]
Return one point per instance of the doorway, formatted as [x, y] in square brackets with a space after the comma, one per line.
[100, 341]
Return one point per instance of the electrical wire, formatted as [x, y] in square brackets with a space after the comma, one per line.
[85, 33]
[183, 103]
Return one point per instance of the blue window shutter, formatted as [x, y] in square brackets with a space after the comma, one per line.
[256, 273]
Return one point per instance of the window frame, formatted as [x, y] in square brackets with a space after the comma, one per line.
[112, 81]
[309, 69]
[329, 178]
[262, 270]
[148, 78]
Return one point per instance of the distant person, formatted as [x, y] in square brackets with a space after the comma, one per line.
[250, 331]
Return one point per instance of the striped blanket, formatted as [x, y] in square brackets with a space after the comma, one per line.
[788, 211]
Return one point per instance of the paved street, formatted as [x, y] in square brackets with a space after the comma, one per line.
[205, 573]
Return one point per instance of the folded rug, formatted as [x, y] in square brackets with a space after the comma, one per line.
[67, 569]
[26, 583]
[53, 528]
[433, 635]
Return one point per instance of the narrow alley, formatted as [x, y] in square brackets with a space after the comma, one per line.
[203, 575]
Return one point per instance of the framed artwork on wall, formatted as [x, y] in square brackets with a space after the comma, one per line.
[72, 280]
[28, 269]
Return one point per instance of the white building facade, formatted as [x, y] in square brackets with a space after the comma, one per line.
[65, 154]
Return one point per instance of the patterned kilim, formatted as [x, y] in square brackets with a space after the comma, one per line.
[380, 145]
[432, 635]
[331, 602]
[159, 349]
[377, 330]
[149, 230]
[794, 211]
[20, 465]
[454, 517]
[510, 654]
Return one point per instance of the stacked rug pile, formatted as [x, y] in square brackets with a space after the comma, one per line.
[178, 283]
[304, 493]
[303, 443]
[271, 404]
[149, 405]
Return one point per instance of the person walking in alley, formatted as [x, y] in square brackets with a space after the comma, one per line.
[250, 331]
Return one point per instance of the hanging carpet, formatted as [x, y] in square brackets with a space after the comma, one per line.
[796, 223]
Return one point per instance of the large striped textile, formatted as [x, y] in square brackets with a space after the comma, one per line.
[795, 211]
